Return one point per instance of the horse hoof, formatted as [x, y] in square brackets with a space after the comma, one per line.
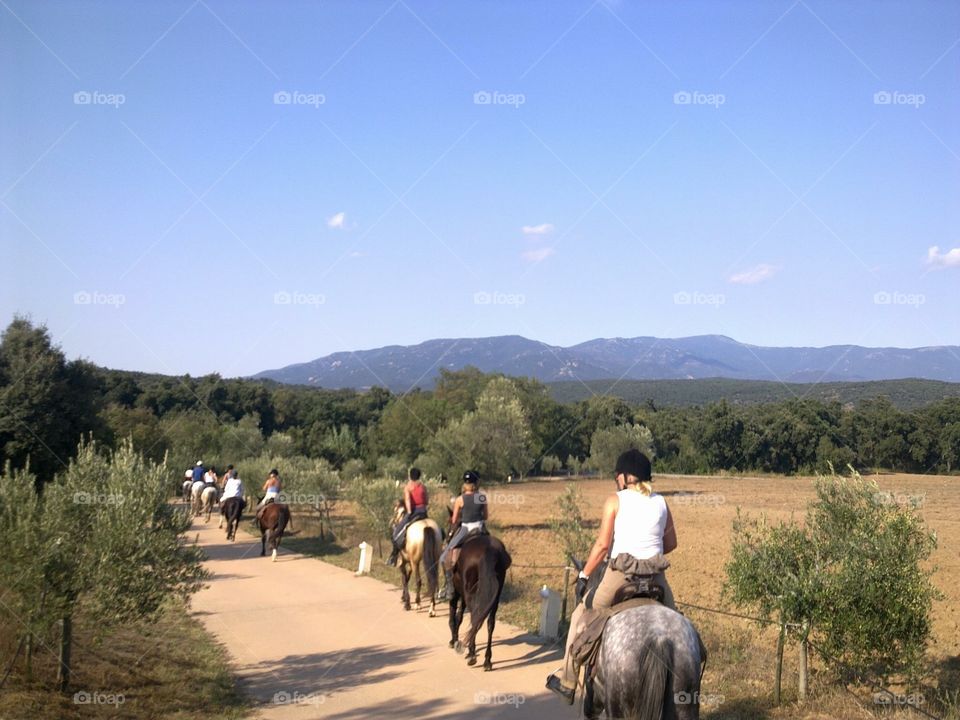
[274, 556]
[406, 606]
[471, 661]
[487, 666]
[433, 613]
[458, 648]
[450, 644]
[417, 607]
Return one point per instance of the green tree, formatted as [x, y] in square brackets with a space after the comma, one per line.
[568, 524]
[46, 403]
[112, 544]
[494, 439]
[853, 575]
[607, 444]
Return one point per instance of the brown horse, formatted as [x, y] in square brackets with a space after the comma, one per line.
[422, 546]
[231, 509]
[478, 579]
[272, 521]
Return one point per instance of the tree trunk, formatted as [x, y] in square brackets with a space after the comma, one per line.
[66, 645]
[28, 669]
[804, 679]
[776, 682]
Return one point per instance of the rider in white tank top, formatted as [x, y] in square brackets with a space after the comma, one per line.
[639, 525]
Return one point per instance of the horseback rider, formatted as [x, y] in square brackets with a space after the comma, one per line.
[415, 502]
[271, 489]
[635, 521]
[470, 511]
[233, 487]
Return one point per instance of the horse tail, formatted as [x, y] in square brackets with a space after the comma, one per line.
[431, 549]
[653, 665]
[487, 593]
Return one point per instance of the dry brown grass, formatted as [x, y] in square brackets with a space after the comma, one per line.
[741, 653]
[170, 669]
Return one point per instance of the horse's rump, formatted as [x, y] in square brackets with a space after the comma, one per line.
[649, 656]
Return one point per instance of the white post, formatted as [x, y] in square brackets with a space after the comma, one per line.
[549, 613]
[366, 558]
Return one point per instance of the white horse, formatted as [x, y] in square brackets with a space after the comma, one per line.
[196, 501]
[207, 499]
[187, 486]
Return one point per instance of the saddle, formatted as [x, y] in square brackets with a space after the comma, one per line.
[454, 553]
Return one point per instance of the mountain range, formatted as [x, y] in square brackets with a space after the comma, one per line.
[404, 367]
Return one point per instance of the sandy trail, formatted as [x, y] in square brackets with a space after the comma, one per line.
[310, 640]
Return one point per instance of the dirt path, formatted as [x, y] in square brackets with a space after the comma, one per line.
[310, 640]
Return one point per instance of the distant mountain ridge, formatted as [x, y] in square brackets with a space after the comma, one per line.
[403, 367]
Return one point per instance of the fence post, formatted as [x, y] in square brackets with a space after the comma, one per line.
[802, 688]
[549, 614]
[366, 558]
[776, 682]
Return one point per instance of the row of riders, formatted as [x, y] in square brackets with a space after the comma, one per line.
[629, 648]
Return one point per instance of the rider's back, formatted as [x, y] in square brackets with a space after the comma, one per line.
[639, 525]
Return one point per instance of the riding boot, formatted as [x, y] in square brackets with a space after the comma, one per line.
[392, 560]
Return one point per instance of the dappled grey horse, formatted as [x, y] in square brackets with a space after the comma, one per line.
[649, 666]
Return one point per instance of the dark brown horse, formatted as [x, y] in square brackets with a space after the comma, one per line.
[272, 521]
[478, 580]
[231, 509]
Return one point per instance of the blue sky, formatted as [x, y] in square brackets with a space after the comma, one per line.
[231, 186]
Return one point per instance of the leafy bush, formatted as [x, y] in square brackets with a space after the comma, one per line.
[568, 526]
[854, 573]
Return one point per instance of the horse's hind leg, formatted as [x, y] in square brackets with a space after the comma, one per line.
[456, 617]
[416, 570]
[263, 542]
[405, 580]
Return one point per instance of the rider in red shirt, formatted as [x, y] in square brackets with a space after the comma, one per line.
[415, 501]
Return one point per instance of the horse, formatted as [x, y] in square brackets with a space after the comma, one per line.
[272, 521]
[185, 491]
[478, 579]
[231, 509]
[649, 665]
[422, 545]
[208, 498]
[196, 499]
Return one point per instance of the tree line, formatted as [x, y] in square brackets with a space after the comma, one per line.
[499, 425]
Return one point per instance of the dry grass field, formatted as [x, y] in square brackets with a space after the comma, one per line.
[739, 677]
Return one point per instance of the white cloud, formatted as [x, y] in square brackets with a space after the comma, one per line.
[949, 259]
[337, 221]
[541, 229]
[358, 254]
[754, 275]
[535, 256]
